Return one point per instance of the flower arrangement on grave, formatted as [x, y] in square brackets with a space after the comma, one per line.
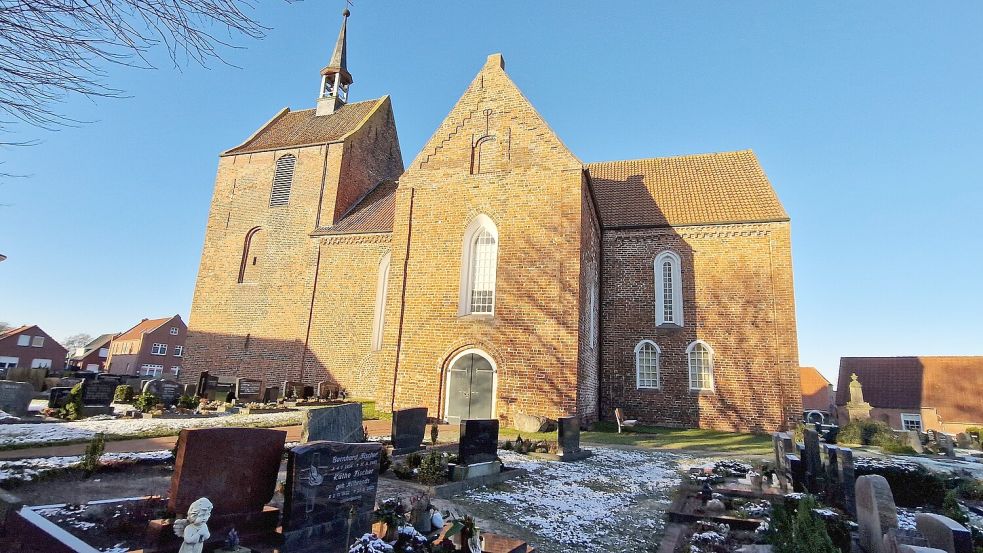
[370, 543]
[391, 513]
[187, 402]
[232, 544]
[470, 534]
[146, 402]
[433, 468]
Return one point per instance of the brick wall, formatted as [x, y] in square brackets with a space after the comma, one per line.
[737, 294]
[589, 361]
[51, 350]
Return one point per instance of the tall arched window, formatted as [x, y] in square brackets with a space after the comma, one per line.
[283, 178]
[381, 291]
[668, 290]
[647, 355]
[253, 249]
[700, 357]
[479, 262]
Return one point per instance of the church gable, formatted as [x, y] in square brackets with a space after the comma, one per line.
[493, 130]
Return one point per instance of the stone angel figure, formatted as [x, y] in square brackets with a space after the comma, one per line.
[192, 530]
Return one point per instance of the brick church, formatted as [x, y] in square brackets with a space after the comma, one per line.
[496, 274]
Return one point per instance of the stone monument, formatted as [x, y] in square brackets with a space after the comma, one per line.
[408, 429]
[876, 512]
[339, 423]
[857, 408]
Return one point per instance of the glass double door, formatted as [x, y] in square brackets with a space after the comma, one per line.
[470, 388]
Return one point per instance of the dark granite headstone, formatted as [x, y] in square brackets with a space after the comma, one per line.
[833, 486]
[340, 423]
[409, 428]
[219, 391]
[479, 441]
[98, 392]
[568, 439]
[329, 496]
[15, 397]
[271, 395]
[813, 461]
[167, 391]
[292, 389]
[848, 479]
[235, 468]
[327, 389]
[248, 389]
[58, 397]
[205, 383]
[796, 472]
[115, 378]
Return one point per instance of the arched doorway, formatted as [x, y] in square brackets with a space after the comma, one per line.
[470, 387]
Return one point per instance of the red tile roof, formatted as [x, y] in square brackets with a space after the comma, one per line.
[144, 326]
[728, 187]
[291, 129]
[373, 213]
[13, 331]
[952, 385]
[816, 390]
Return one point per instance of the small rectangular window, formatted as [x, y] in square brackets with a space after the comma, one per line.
[41, 364]
[152, 370]
[37, 342]
[103, 352]
[911, 422]
[178, 351]
[176, 370]
[158, 349]
[8, 362]
[23, 340]
[173, 331]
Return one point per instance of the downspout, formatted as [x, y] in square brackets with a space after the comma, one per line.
[402, 299]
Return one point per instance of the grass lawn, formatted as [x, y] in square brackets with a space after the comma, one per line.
[369, 412]
[679, 438]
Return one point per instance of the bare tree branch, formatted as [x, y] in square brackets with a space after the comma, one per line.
[52, 49]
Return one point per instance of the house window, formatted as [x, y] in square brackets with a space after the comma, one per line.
[23, 340]
[41, 364]
[478, 264]
[252, 253]
[700, 358]
[158, 349]
[647, 355]
[382, 290]
[282, 179]
[92, 367]
[176, 370]
[668, 290]
[103, 352]
[152, 370]
[178, 351]
[911, 422]
[37, 342]
[8, 362]
[173, 331]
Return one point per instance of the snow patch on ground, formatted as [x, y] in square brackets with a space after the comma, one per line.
[29, 469]
[48, 433]
[585, 505]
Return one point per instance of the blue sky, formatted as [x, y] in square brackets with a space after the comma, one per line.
[867, 117]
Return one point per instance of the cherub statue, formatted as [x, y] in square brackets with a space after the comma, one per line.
[192, 530]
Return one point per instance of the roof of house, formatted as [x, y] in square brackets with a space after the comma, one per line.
[291, 129]
[728, 187]
[141, 328]
[373, 213]
[949, 384]
[97, 343]
[13, 331]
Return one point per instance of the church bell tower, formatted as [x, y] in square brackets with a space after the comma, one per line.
[335, 78]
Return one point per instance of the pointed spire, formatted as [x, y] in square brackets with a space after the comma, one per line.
[335, 78]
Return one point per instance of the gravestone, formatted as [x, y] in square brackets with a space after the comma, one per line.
[944, 533]
[915, 441]
[327, 389]
[340, 423]
[964, 441]
[98, 393]
[848, 479]
[58, 396]
[219, 391]
[205, 382]
[813, 461]
[167, 391]
[948, 446]
[568, 439]
[329, 496]
[408, 429]
[248, 389]
[15, 397]
[796, 472]
[876, 511]
[236, 468]
[118, 379]
[833, 485]
[894, 544]
[292, 388]
[479, 441]
[271, 395]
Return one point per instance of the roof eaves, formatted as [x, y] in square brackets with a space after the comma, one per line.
[698, 224]
[280, 114]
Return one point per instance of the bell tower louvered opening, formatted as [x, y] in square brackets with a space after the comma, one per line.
[282, 179]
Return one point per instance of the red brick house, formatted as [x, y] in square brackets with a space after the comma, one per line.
[153, 347]
[817, 392]
[497, 274]
[92, 356]
[916, 393]
[29, 346]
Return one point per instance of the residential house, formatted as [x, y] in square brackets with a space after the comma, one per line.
[913, 393]
[92, 356]
[154, 347]
[817, 392]
[29, 346]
